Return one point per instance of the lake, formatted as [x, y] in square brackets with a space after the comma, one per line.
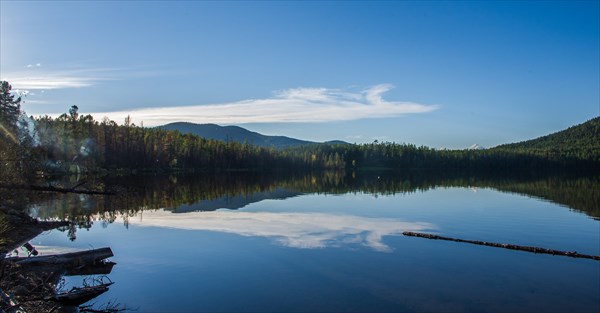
[322, 242]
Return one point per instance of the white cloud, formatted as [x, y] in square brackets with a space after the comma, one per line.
[36, 78]
[297, 230]
[292, 105]
[48, 81]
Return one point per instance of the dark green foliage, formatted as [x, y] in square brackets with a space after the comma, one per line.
[80, 141]
[11, 151]
[577, 143]
[10, 109]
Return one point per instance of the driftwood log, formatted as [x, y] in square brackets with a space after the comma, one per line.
[66, 260]
[572, 254]
[29, 283]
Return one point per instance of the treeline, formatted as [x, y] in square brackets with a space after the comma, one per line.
[579, 142]
[90, 144]
[585, 135]
[74, 143]
[407, 156]
[575, 148]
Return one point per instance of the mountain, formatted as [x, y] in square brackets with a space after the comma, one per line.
[476, 147]
[238, 134]
[577, 142]
[582, 136]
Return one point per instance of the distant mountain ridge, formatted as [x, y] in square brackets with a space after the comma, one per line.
[580, 141]
[239, 134]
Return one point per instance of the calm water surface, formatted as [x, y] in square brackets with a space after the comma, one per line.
[285, 249]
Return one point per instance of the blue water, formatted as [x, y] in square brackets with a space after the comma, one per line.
[320, 252]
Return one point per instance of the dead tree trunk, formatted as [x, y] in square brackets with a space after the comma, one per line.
[572, 254]
[66, 260]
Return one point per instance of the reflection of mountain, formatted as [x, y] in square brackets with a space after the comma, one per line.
[296, 230]
[236, 202]
[233, 190]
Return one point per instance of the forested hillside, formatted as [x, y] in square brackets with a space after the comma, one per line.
[234, 133]
[581, 142]
[72, 143]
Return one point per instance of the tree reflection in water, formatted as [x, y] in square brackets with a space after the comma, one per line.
[234, 190]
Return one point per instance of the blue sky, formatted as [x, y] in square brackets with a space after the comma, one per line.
[441, 74]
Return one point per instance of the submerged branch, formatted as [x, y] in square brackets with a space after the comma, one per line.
[572, 254]
[80, 295]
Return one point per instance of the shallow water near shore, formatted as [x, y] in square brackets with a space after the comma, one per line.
[287, 247]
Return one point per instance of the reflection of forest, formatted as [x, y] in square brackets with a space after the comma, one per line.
[234, 190]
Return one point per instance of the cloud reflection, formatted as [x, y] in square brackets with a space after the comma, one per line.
[297, 230]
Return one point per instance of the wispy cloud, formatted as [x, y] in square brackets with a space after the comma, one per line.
[37, 79]
[36, 102]
[297, 230]
[291, 105]
[51, 82]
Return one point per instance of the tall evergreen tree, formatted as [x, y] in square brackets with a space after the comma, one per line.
[10, 150]
[10, 109]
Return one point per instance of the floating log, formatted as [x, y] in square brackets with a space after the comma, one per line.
[66, 260]
[80, 295]
[572, 254]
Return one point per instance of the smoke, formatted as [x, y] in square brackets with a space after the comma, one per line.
[86, 147]
[27, 130]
